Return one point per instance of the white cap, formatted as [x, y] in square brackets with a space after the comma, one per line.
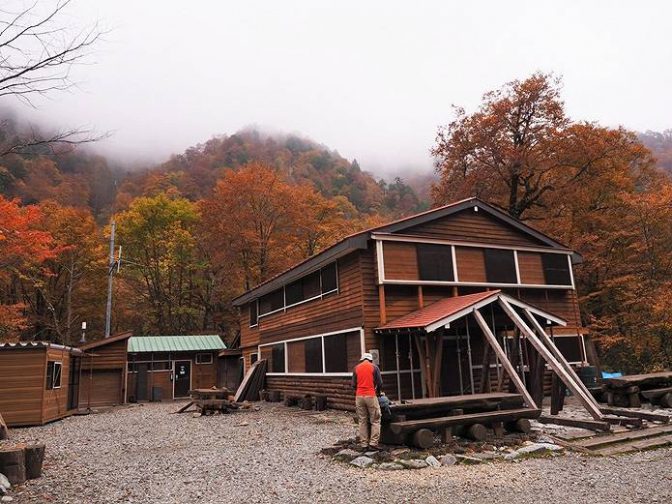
[367, 356]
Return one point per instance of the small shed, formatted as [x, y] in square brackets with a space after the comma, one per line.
[167, 367]
[39, 382]
[104, 372]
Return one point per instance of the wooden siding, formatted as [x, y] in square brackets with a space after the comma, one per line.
[111, 356]
[204, 375]
[531, 268]
[562, 303]
[401, 261]
[473, 226]
[22, 381]
[55, 401]
[334, 312]
[470, 264]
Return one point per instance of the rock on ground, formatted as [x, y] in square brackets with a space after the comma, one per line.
[143, 455]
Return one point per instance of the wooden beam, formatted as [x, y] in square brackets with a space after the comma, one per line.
[485, 370]
[504, 359]
[381, 301]
[421, 297]
[579, 389]
[644, 415]
[595, 425]
[469, 419]
[576, 388]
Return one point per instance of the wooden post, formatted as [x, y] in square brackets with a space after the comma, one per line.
[557, 394]
[421, 297]
[504, 359]
[381, 301]
[485, 369]
[559, 366]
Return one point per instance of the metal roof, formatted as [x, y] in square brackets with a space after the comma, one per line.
[187, 343]
[359, 241]
[27, 345]
[446, 310]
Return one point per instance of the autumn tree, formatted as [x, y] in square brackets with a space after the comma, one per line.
[24, 247]
[157, 236]
[521, 151]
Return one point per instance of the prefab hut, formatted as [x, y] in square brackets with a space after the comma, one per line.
[167, 367]
[39, 382]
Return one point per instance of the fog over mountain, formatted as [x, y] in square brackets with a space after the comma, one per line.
[373, 80]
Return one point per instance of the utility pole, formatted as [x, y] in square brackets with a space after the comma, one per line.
[110, 276]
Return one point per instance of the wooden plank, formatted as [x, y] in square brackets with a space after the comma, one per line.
[584, 392]
[646, 444]
[655, 393]
[504, 359]
[588, 403]
[599, 441]
[640, 379]
[472, 418]
[594, 425]
[645, 415]
[616, 420]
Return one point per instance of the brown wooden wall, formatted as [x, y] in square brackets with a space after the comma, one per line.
[55, 402]
[22, 383]
[110, 356]
[401, 260]
[473, 227]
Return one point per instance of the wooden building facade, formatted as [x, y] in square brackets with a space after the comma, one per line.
[167, 367]
[39, 382]
[313, 321]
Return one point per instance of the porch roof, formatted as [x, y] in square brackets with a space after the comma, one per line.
[446, 310]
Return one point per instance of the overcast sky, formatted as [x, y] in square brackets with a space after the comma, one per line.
[371, 79]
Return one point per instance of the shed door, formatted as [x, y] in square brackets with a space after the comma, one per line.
[182, 382]
[101, 388]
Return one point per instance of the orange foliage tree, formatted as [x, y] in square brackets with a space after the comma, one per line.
[596, 189]
[23, 248]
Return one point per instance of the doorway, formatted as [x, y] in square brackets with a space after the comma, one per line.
[182, 383]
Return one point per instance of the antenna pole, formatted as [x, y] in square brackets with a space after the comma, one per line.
[110, 276]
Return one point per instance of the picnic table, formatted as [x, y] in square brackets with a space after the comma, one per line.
[208, 401]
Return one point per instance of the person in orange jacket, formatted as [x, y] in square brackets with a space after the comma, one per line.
[368, 384]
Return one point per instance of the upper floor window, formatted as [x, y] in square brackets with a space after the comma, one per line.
[435, 262]
[272, 301]
[311, 286]
[254, 313]
[556, 269]
[500, 266]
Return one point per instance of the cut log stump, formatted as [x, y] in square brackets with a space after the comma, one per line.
[521, 425]
[13, 463]
[423, 439]
[477, 432]
[34, 459]
[666, 400]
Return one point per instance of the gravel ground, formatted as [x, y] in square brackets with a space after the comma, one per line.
[144, 454]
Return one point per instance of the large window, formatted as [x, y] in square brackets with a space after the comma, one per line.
[435, 262]
[54, 369]
[277, 364]
[500, 266]
[556, 269]
[333, 353]
[307, 287]
[272, 301]
[311, 286]
[329, 278]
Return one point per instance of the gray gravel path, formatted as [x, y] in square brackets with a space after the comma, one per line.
[143, 454]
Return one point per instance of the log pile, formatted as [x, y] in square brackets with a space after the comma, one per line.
[629, 391]
[21, 461]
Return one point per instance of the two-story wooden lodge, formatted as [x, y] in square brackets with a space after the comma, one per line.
[424, 294]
